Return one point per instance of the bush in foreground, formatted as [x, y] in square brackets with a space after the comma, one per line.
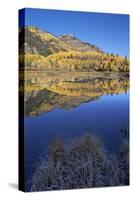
[82, 164]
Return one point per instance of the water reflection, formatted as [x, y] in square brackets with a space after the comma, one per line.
[45, 92]
[79, 104]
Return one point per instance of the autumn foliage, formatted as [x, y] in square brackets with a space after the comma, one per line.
[76, 61]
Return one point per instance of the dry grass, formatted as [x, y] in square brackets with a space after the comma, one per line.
[82, 164]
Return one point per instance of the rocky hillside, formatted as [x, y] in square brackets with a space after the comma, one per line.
[40, 42]
[45, 43]
[77, 44]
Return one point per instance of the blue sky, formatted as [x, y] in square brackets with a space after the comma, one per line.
[110, 32]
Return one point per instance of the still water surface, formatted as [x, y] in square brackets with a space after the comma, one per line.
[72, 108]
[105, 117]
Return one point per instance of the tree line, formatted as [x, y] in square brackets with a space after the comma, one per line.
[76, 61]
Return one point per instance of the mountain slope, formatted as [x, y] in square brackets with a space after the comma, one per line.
[42, 50]
[40, 42]
[77, 44]
[44, 43]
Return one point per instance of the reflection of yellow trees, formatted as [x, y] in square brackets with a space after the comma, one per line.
[47, 93]
[91, 89]
[72, 87]
[76, 61]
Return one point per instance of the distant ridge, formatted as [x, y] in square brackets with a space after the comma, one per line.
[77, 44]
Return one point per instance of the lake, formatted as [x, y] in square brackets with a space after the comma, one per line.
[68, 107]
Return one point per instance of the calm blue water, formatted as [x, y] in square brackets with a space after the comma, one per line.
[104, 117]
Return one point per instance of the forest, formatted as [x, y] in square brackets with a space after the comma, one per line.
[75, 61]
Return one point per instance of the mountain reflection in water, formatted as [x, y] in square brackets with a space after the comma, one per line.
[45, 92]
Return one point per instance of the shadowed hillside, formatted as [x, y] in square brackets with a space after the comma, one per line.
[40, 42]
